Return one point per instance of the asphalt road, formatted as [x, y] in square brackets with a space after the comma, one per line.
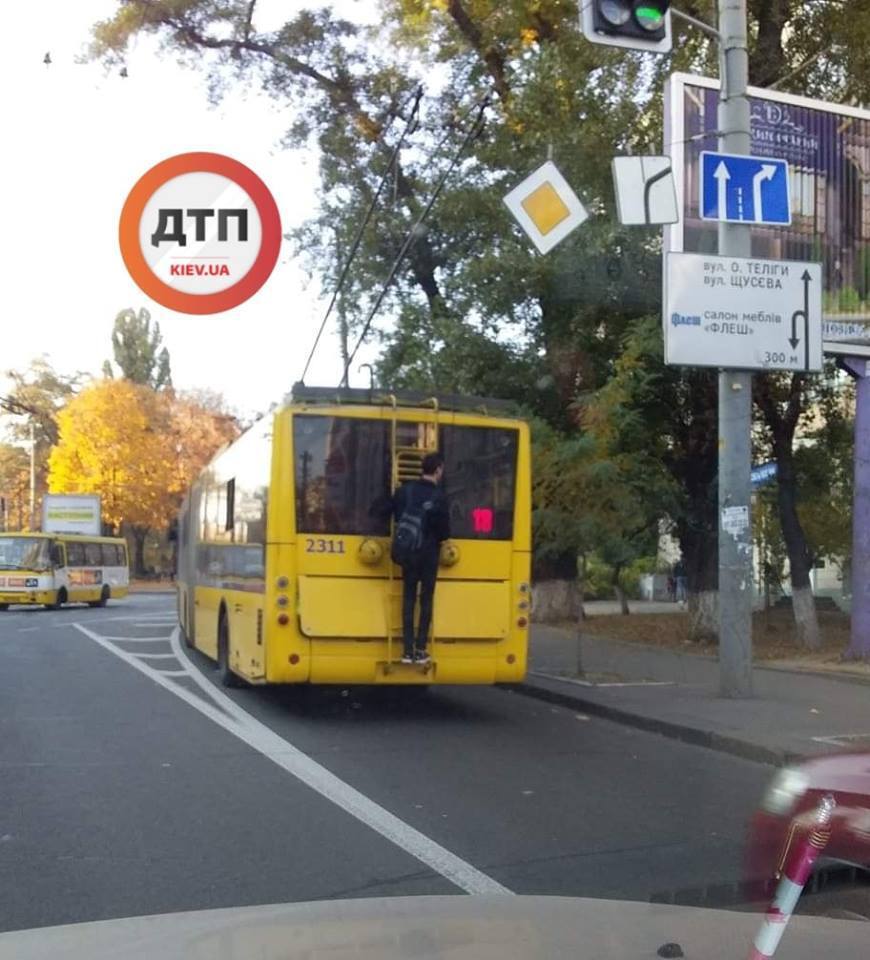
[130, 788]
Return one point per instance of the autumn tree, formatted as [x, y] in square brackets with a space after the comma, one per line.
[139, 449]
[137, 350]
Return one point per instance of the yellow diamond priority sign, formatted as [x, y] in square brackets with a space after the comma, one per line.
[546, 207]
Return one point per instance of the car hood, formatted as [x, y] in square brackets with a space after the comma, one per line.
[461, 928]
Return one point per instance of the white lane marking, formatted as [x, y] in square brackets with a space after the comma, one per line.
[172, 673]
[281, 752]
[163, 639]
[154, 656]
[592, 683]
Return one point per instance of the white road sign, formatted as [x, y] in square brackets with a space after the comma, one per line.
[645, 191]
[742, 314]
[546, 207]
[71, 513]
[846, 338]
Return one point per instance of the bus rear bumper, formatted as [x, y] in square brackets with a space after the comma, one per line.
[484, 669]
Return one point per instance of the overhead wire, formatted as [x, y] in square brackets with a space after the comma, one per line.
[473, 132]
[410, 127]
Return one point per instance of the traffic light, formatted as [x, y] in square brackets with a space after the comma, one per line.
[636, 24]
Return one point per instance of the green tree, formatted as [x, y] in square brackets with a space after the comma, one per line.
[137, 350]
[34, 397]
[472, 304]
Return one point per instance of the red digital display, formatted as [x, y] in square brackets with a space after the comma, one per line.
[481, 518]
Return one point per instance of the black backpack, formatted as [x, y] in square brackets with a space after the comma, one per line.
[408, 536]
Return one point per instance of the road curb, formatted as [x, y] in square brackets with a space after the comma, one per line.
[675, 731]
[757, 665]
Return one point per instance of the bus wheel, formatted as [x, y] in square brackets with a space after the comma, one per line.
[104, 598]
[227, 677]
[59, 601]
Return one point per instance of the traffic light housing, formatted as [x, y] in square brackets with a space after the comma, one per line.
[635, 24]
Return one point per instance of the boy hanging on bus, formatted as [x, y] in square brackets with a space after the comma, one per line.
[422, 524]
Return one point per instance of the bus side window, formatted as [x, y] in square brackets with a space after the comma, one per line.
[93, 555]
[75, 554]
[57, 559]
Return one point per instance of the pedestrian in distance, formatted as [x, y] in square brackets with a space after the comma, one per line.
[422, 524]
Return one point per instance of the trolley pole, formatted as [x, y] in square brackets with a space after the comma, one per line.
[735, 390]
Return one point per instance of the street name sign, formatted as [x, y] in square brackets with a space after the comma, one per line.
[645, 190]
[763, 472]
[740, 189]
[738, 313]
[546, 207]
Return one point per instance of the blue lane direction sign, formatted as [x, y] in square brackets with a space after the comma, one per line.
[741, 189]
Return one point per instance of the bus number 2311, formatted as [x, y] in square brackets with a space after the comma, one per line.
[313, 545]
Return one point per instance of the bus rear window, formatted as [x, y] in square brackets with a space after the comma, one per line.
[342, 468]
[480, 466]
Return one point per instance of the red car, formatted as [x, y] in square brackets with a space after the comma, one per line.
[794, 794]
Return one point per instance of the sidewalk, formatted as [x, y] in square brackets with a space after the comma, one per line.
[791, 715]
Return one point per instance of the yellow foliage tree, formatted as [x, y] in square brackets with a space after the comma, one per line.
[139, 449]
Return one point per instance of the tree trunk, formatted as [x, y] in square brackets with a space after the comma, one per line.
[139, 535]
[556, 601]
[805, 618]
[803, 604]
[699, 546]
[556, 593]
[619, 592]
[704, 616]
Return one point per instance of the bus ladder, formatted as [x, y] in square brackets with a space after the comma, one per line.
[407, 464]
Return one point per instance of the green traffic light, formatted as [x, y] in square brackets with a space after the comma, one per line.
[650, 17]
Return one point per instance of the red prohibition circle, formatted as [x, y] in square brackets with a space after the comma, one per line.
[158, 289]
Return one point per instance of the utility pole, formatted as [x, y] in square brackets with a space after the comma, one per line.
[32, 478]
[735, 390]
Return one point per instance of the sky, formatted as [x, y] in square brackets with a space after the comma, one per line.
[76, 140]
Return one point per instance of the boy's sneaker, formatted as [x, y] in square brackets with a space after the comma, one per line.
[421, 656]
[407, 658]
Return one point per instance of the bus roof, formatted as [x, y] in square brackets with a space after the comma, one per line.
[60, 536]
[401, 398]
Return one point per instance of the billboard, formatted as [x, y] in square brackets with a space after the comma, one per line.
[71, 513]
[827, 147]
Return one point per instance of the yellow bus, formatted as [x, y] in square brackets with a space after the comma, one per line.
[54, 568]
[284, 570]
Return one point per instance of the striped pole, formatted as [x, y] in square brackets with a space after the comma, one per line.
[799, 864]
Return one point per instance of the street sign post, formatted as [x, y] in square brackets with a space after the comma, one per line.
[743, 314]
[645, 190]
[740, 189]
[546, 207]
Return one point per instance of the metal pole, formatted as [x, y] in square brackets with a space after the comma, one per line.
[859, 645]
[32, 478]
[735, 392]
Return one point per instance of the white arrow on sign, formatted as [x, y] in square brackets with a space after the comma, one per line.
[722, 177]
[767, 172]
